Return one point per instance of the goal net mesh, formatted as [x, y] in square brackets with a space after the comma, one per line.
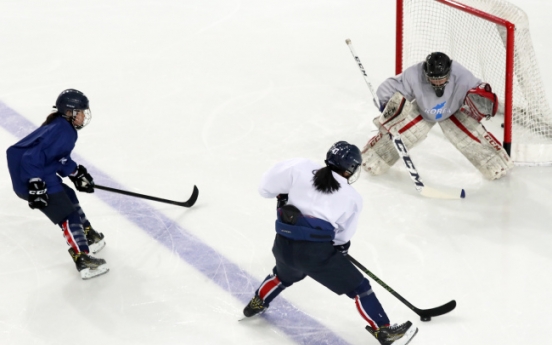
[479, 45]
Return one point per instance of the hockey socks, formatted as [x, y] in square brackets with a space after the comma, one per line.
[368, 305]
[74, 233]
[269, 289]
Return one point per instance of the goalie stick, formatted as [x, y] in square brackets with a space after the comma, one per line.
[399, 145]
[188, 203]
[415, 176]
[425, 314]
[357, 59]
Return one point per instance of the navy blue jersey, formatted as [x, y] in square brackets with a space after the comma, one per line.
[45, 153]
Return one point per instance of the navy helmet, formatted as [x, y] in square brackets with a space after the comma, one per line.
[342, 157]
[437, 71]
[72, 101]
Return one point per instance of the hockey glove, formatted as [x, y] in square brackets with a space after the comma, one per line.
[343, 248]
[37, 193]
[482, 102]
[82, 180]
[282, 200]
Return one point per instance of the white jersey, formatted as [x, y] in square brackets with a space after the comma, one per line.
[413, 85]
[294, 177]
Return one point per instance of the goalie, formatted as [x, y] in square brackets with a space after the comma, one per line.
[442, 91]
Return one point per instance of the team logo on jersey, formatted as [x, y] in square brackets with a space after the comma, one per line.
[438, 110]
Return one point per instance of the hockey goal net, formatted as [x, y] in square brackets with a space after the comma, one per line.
[491, 38]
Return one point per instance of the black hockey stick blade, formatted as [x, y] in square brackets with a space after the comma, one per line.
[188, 203]
[425, 314]
[429, 313]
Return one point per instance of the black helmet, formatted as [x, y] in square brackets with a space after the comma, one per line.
[437, 71]
[343, 156]
[73, 100]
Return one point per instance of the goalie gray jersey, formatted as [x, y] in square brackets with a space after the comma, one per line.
[413, 85]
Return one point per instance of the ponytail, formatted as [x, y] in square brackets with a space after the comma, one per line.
[324, 181]
[51, 118]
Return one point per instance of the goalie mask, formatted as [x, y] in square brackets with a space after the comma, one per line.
[344, 159]
[437, 71]
[74, 106]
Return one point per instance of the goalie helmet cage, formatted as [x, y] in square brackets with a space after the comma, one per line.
[491, 38]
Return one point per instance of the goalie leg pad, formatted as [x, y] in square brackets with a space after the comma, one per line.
[379, 154]
[403, 117]
[396, 112]
[479, 146]
[399, 116]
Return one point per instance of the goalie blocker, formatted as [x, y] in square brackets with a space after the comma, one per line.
[463, 129]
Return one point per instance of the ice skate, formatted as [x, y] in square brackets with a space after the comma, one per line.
[95, 239]
[396, 334]
[87, 265]
[255, 306]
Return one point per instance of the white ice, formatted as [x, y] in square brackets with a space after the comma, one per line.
[211, 93]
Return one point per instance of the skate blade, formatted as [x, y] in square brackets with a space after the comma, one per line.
[87, 273]
[243, 317]
[407, 337]
[96, 247]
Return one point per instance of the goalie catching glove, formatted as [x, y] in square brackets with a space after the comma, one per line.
[480, 102]
[82, 180]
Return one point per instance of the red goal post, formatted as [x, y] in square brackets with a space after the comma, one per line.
[491, 38]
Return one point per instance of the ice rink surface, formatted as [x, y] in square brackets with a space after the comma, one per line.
[212, 93]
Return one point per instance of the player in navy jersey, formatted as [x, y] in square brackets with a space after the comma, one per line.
[39, 161]
[437, 90]
[318, 212]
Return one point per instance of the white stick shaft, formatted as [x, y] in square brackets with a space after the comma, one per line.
[363, 72]
[408, 163]
[424, 190]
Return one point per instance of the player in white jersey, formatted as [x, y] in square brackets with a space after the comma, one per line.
[442, 91]
[316, 220]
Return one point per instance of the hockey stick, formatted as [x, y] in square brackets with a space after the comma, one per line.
[403, 152]
[188, 203]
[357, 59]
[415, 176]
[425, 314]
